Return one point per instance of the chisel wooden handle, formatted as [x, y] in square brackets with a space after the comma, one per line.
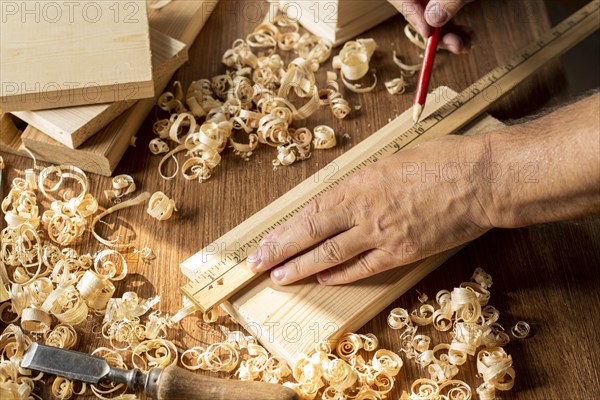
[177, 383]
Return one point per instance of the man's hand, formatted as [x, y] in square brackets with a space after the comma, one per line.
[437, 13]
[442, 194]
[397, 211]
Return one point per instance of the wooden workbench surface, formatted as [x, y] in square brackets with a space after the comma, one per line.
[546, 275]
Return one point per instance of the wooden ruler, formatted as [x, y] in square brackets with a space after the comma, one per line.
[219, 271]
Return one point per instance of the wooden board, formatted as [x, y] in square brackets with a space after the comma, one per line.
[10, 136]
[181, 20]
[54, 54]
[72, 126]
[338, 22]
[289, 320]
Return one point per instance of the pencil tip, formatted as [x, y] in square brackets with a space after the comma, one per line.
[417, 110]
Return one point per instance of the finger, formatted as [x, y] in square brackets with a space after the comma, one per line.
[305, 231]
[360, 267]
[458, 40]
[328, 200]
[439, 12]
[271, 247]
[413, 12]
[330, 253]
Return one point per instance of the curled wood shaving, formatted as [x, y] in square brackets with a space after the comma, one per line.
[324, 137]
[521, 330]
[62, 336]
[122, 185]
[64, 389]
[129, 203]
[353, 62]
[396, 86]
[160, 206]
[158, 4]
[405, 69]
[154, 353]
[158, 146]
[414, 36]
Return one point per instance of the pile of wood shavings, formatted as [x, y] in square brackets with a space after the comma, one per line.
[474, 330]
[256, 101]
[47, 288]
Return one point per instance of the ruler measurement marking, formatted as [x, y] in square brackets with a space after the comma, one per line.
[400, 142]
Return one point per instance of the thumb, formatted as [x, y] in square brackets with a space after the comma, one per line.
[438, 12]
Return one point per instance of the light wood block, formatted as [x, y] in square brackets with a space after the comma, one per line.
[291, 319]
[10, 136]
[72, 126]
[182, 20]
[54, 54]
[338, 21]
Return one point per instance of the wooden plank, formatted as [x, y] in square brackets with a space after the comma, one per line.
[72, 126]
[10, 136]
[102, 152]
[338, 22]
[56, 55]
[289, 320]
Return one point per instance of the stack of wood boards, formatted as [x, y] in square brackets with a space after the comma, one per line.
[66, 54]
[72, 126]
[289, 320]
[338, 20]
[174, 27]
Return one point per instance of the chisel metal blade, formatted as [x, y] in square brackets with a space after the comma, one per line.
[66, 363]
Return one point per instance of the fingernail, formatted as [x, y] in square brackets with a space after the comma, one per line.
[436, 15]
[278, 274]
[324, 276]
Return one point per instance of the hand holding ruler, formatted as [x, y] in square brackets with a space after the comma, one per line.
[219, 270]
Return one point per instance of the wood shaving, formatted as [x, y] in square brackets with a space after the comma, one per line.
[520, 330]
[396, 86]
[158, 146]
[158, 4]
[160, 206]
[122, 185]
[129, 203]
[414, 36]
[324, 137]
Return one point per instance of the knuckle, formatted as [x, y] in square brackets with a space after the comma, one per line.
[311, 227]
[297, 269]
[332, 252]
[365, 267]
[312, 208]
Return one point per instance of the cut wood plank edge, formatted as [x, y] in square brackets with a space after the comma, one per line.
[72, 126]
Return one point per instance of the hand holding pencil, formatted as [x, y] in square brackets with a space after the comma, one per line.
[425, 16]
[428, 18]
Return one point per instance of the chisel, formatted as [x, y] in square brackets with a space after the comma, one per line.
[169, 383]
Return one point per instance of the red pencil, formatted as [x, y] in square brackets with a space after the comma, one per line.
[425, 74]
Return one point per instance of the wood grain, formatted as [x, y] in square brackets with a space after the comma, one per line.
[72, 126]
[54, 56]
[101, 153]
[338, 21]
[178, 383]
[547, 275]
